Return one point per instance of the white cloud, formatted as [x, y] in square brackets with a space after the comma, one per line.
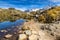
[55, 0]
[22, 9]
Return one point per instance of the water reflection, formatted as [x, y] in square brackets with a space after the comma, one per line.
[10, 24]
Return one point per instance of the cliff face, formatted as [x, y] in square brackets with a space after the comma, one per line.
[39, 31]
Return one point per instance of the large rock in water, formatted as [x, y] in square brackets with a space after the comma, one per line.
[8, 36]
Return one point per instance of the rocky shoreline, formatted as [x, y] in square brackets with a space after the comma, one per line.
[40, 31]
[32, 31]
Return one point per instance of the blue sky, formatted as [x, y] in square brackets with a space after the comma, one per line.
[27, 4]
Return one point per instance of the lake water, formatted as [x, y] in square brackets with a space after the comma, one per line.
[10, 24]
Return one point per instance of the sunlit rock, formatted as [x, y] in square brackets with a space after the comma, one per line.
[20, 31]
[8, 36]
[45, 36]
[3, 30]
[33, 37]
[35, 32]
[22, 37]
[31, 25]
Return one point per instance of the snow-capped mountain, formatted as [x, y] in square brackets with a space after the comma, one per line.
[34, 9]
[30, 10]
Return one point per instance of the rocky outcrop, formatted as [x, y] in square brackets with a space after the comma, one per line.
[40, 31]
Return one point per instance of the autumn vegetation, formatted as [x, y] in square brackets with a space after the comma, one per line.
[46, 16]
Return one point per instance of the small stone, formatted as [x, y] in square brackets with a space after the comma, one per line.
[3, 30]
[22, 37]
[8, 36]
[20, 31]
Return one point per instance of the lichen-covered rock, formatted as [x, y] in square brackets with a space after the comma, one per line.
[33, 37]
[22, 37]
